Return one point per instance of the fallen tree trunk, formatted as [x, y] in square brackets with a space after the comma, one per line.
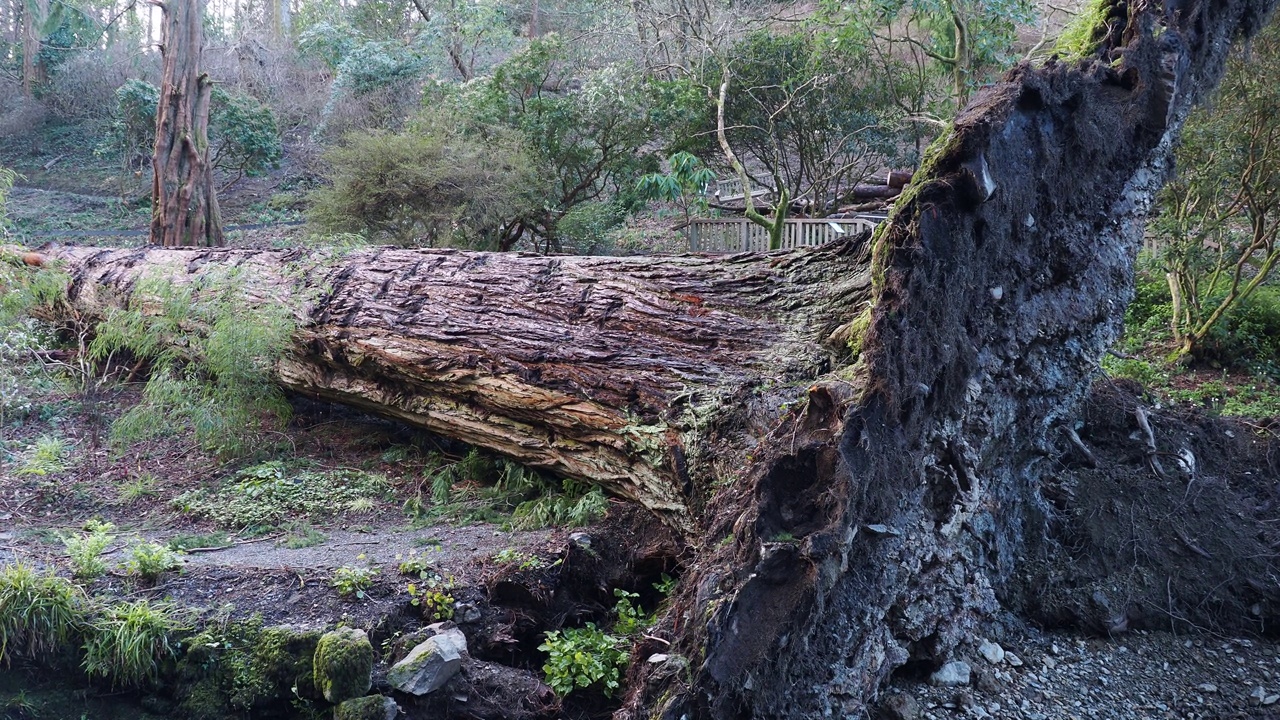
[881, 519]
[628, 372]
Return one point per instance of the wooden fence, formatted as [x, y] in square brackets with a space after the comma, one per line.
[727, 235]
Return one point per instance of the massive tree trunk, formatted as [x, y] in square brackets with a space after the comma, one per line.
[844, 516]
[627, 372]
[184, 207]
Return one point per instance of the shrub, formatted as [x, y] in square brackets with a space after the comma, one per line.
[424, 187]
[85, 86]
[351, 580]
[149, 561]
[243, 135]
[39, 613]
[583, 657]
[129, 642]
[585, 228]
[86, 550]
[133, 129]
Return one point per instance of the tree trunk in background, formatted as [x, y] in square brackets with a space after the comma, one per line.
[283, 17]
[843, 518]
[184, 205]
[33, 75]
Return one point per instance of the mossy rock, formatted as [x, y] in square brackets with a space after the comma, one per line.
[343, 664]
[241, 667]
[369, 707]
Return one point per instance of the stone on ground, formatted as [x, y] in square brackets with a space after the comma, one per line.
[992, 652]
[369, 707]
[430, 664]
[953, 674]
[344, 664]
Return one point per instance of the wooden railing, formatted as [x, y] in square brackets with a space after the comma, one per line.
[731, 190]
[727, 235]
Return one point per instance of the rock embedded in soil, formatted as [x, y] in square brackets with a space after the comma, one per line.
[993, 653]
[900, 706]
[344, 664]
[953, 674]
[430, 664]
[369, 707]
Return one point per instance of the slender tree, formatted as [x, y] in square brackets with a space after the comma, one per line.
[33, 71]
[184, 205]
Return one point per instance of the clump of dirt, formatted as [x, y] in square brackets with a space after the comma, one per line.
[1169, 529]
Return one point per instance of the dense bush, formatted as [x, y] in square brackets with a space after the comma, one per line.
[425, 187]
[243, 134]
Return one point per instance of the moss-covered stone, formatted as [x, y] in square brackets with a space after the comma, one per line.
[238, 667]
[370, 707]
[343, 664]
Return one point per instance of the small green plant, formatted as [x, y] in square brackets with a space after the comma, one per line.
[139, 486]
[301, 535]
[582, 658]
[210, 351]
[436, 603]
[353, 580]
[587, 656]
[149, 561]
[666, 585]
[85, 550]
[631, 619]
[413, 565]
[576, 505]
[522, 560]
[46, 457]
[127, 644]
[39, 613]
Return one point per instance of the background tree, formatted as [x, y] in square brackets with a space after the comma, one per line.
[1217, 234]
[586, 131]
[426, 186]
[184, 206]
[816, 116]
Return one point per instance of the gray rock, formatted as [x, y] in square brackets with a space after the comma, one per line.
[1012, 659]
[429, 665]
[953, 674]
[992, 652]
[1258, 695]
[1271, 699]
[899, 707]
[1207, 688]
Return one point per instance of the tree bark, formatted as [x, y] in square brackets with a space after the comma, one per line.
[634, 374]
[844, 517]
[184, 204]
[34, 13]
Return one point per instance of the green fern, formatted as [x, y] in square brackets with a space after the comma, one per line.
[210, 355]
